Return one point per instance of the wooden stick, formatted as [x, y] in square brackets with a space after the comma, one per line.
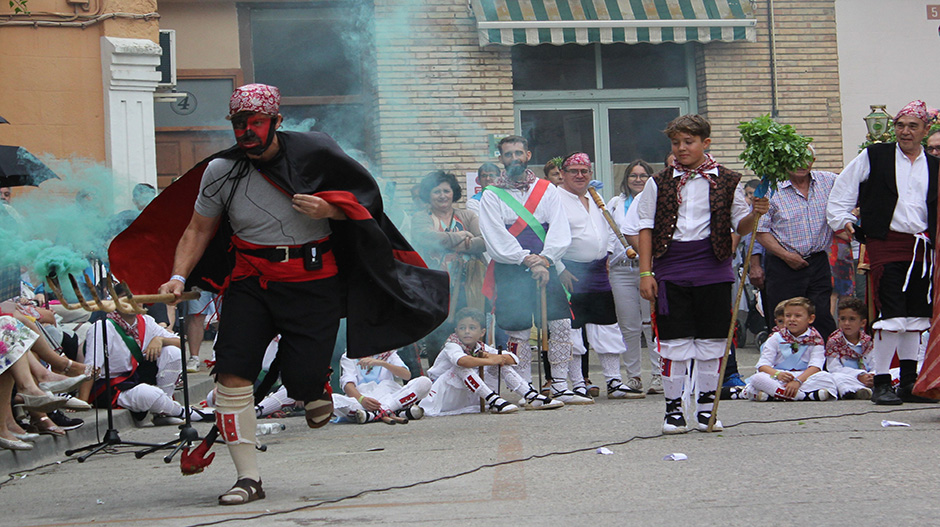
[543, 338]
[734, 320]
[610, 221]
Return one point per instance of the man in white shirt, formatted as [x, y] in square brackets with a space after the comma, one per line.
[585, 277]
[526, 233]
[895, 187]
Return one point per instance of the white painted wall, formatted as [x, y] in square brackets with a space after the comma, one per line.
[889, 53]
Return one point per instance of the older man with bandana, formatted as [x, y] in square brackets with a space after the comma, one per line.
[895, 187]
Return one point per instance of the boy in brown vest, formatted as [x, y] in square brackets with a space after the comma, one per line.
[686, 216]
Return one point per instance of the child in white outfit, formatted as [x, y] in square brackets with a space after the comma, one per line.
[791, 360]
[848, 349]
[458, 387]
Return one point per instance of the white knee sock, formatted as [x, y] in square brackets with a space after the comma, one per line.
[886, 343]
[473, 382]
[275, 401]
[409, 394]
[908, 345]
[610, 365]
[674, 377]
[575, 373]
[235, 417]
[518, 344]
[706, 383]
[559, 342]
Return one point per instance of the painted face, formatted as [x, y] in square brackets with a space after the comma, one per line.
[487, 178]
[575, 178]
[469, 331]
[442, 197]
[910, 131]
[689, 149]
[851, 323]
[933, 145]
[797, 319]
[254, 132]
[636, 179]
[514, 154]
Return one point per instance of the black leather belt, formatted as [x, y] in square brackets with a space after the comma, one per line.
[283, 253]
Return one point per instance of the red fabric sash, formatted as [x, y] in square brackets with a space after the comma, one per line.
[896, 247]
[489, 279]
[290, 271]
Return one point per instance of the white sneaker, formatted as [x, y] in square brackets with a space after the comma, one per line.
[753, 394]
[619, 390]
[656, 385]
[498, 405]
[702, 424]
[536, 401]
[192, 365]
[414, 412]
[569, 397]
[674, 424]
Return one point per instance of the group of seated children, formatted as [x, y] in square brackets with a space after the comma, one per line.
[797, 364]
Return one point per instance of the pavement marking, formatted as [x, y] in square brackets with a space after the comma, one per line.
[509, 480]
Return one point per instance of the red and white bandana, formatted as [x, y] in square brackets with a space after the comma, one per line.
[469, 350]
[837, 346]
[689, 173]
[916, 109]
[257, 98]
[577, 159]
[811, 337]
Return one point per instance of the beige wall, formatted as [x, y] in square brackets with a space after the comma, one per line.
[887, 55]
[734, 81]
[209, 27]
[51, 83]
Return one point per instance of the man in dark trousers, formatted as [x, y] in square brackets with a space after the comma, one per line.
[311, 244]
[796, 238]
[895, 187]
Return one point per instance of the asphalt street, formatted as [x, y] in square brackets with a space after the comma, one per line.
[831, 463]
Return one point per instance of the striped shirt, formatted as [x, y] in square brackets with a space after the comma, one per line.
[799, 223]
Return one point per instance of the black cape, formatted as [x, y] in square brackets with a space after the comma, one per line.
[393, 299]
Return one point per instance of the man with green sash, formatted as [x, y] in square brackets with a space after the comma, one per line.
[526, 233]
[144, 361]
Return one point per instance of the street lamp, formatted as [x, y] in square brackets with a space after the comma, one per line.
[877, 123]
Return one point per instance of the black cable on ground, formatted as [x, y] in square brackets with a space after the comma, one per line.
[14, 475]
[539, 456]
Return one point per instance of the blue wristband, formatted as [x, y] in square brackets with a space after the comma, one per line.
[180, 278]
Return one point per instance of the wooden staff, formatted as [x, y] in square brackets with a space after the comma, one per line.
[734, 320]
[610, 221]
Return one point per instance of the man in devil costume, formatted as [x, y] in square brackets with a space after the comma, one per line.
[291, 229]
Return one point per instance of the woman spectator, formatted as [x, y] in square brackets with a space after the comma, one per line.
[449, 239]
[633, 313]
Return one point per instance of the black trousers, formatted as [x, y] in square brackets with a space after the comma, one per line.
[306, 314]
[814, 282]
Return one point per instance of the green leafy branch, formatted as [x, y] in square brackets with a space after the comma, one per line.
[773, 150]
[19, 7]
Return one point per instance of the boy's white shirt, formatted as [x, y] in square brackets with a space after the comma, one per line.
[835, 365]
[119, 357]
[350, 370]
[447, 359]
[694, 222]
[770, 354]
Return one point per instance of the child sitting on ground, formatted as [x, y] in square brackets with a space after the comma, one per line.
[847, 350]
[458, 388]
[372, 393]
[791, 360]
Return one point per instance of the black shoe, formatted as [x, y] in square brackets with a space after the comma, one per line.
[884, 395]
[906, 394]
[65, 422]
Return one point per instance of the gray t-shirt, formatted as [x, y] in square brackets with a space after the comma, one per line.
[260, 213]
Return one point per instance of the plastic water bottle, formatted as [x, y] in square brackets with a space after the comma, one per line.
[269, 428]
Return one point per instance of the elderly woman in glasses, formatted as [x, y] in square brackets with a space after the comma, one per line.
[633, 313]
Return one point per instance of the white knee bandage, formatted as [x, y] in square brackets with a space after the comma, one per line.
[235, 414]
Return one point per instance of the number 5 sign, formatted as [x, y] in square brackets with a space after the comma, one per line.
[933, 12]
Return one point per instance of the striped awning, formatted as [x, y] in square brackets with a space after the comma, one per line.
[534, 22]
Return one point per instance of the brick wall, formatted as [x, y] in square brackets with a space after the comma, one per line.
[438, 94]
[734, 80]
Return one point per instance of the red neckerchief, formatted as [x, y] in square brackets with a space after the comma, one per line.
[503, 181]
[689, 173]
[132, 331]
[473, 351]
[809, 338]
[838, 346]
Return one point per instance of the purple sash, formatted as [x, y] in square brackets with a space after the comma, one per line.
[689, 264]
[529, 240]
[592, 276]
